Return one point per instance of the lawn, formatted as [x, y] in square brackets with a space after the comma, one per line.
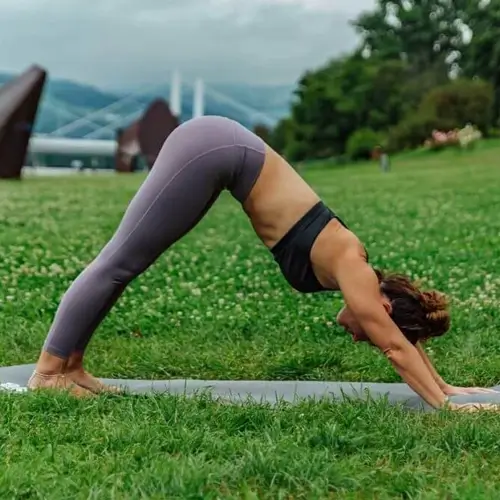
[215, 306]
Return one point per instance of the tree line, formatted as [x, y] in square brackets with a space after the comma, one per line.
[420, 66]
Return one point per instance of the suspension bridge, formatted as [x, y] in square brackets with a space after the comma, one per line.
[99, 138]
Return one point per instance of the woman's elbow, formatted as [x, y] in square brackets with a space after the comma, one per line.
[396, 352]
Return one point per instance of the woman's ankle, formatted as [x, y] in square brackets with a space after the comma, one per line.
[75, 362]
[48, 364]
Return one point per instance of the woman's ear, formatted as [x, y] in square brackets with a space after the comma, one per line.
[387, 304]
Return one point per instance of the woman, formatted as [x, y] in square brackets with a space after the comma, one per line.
[314, 249]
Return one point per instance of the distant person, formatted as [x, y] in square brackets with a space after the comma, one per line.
[385, 165]
[380, 154]
[315, 251]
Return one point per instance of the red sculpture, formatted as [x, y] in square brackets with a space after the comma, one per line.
[19, 101]
[128, 149]
[144, 138]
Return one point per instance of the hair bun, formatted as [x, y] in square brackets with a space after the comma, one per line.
[440, 315]
[436, 305]
[434, 301]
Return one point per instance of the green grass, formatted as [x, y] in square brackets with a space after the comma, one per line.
[215, 306]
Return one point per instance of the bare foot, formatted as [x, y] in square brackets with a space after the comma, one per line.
[57, 382]
[88, 381]
[76, 372]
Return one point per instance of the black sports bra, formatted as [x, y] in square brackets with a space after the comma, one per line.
[292, 252]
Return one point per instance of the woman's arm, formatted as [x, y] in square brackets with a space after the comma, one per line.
[440, 382]
[449, 390]
[359, 286]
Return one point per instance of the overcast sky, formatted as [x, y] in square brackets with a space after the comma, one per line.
[126, 43]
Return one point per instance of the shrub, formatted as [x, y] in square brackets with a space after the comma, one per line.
[441, 140]
[447, 107]
[494, 133]
[465, 138]
[361, 144]
[461, 102]
[413, 131]
[469, 136]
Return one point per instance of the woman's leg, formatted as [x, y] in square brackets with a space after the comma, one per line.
[198, 160]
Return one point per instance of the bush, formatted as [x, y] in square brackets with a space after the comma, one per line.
[442, 140]
[448, 107]
[469, 136]
[461, 102]
[413, 131]
[465, 138]
[493, 133]
[361, 144]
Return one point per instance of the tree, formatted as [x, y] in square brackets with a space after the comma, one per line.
[408, 48]
[263, 131]
[282, 136]
[346, 94]
[481, 57]
[427, 34]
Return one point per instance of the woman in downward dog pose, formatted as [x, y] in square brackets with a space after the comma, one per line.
[315, 251]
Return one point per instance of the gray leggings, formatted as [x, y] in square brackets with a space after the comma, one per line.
[198, 160]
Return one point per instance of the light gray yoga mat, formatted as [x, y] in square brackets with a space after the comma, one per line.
[15, 378]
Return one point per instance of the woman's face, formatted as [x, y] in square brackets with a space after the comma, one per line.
[346, 319]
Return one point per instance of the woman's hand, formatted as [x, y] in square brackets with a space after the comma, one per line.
[451, 390]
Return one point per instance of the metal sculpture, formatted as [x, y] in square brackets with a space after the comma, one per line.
[19, 101]
[143, 139]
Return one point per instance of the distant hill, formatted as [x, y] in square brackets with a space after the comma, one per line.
[65, 101]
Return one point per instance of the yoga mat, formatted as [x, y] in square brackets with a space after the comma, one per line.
[15, 378]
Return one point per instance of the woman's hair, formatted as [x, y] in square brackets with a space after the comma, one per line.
[418, 314]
